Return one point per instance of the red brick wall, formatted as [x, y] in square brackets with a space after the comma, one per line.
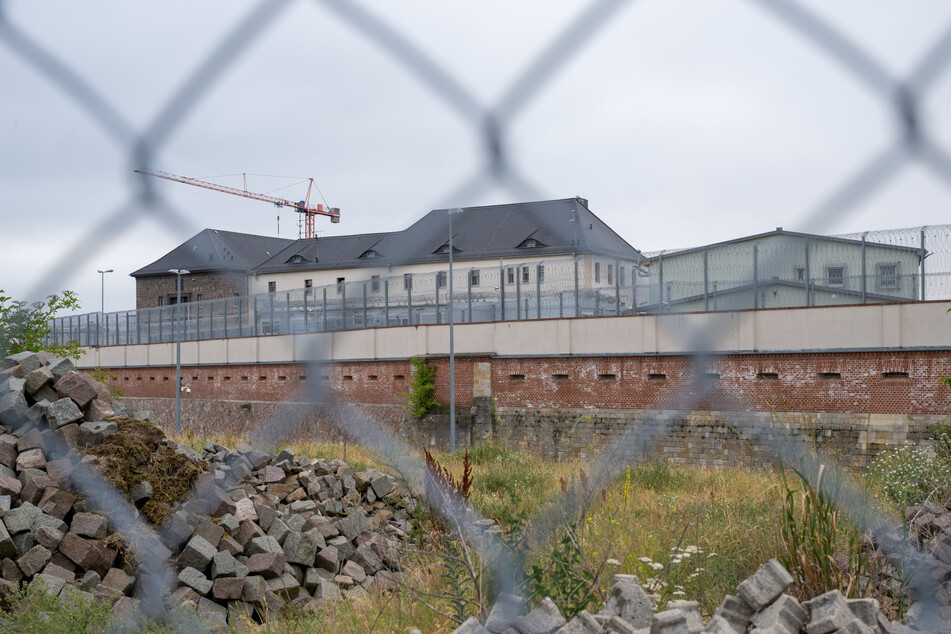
[802, 382]
[866, 382]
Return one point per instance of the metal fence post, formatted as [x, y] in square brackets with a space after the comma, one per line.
[198, 320]
[469, 293]
[617, 287]
[597, 302]
[98, 330]
[577, 293]
[518, 292]
[660, 281]
[343, 305]
[706, 282]
[438, 319]
[386, 302]
[755, 276]
[502, 290]
[807, 274]
[538, 292]
[561, 305]
[306, 310]
[365, 322]
[287, 306]
[923, 254]
[863, 269]
[325, 308]
[409, 297]
[225, 317]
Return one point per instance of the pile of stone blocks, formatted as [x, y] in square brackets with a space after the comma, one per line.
[261, 534]
[760, 606]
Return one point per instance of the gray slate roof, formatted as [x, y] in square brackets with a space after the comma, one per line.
[214, 250]
[559, 226]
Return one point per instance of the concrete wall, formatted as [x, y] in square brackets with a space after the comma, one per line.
[917, 325]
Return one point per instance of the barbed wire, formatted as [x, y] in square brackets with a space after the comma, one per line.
[492, 125]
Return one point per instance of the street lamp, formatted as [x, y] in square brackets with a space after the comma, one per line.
[178, 350]
[102, 294]
[452, 348]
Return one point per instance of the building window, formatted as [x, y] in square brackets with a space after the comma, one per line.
[835, 275]
[474, 277]
[340, 283]
[888, 276]
[597, 272]
[524, 275]
[271, 287]
[308, 283]
[296, 259]
[375, 283]
[161, 301]
[199, 297]
[441, 279]
[407, 281]
[610, 274]
[511, 275]
[540, 273]
[800, 274]
[620, 275]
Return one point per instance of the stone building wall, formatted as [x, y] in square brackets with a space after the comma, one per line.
[221, 285]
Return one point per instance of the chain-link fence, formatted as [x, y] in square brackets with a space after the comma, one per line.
[776, 273]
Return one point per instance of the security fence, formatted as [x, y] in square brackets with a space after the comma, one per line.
[776, 271]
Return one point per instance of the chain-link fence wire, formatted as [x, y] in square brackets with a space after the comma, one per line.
[903, 95]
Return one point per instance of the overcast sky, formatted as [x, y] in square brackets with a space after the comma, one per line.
[682, 121]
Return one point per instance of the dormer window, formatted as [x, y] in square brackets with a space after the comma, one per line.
[296, 259]
[530, 243]
[444, 249]
[369, 254]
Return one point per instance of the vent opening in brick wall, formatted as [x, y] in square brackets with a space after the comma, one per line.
[830, 376]
[767, 376]
[895, 375]
[657, 377]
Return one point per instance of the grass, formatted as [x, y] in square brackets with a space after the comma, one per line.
[687, 532]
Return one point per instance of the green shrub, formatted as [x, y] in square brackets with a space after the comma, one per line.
[908, 475]
[25, 326]
[422, 389]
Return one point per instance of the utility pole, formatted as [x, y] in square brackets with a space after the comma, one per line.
[452, 348]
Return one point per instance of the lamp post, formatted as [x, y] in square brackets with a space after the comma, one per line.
[178, 349]
[102, 292]
[452, 348]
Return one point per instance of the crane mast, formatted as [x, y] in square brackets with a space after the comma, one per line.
[302, 207]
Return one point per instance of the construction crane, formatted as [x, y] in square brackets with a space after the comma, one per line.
[302, 207]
